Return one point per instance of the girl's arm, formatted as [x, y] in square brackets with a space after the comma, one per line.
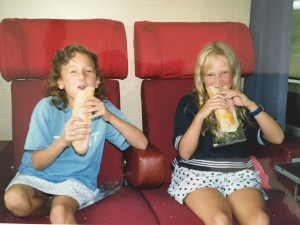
[189, 141]
[270, 128]
[44, 157]
[134, 136]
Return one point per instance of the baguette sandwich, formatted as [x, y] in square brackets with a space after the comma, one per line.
[226, 118]
[81, 146]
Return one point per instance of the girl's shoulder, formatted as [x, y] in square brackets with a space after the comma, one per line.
[108, 103]
[189, 99]
[111, 107]
[45, 104]
[188, 103]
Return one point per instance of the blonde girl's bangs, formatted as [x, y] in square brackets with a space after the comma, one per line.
[205, 60]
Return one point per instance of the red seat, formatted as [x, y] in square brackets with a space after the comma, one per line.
[26, 49]
[165, 56]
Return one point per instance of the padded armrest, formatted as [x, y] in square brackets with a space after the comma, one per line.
[6, 162]
[284, 152]
[144, 168]
[271, 154]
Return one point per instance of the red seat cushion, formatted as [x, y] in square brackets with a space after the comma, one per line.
[126, 207]
[167, 210]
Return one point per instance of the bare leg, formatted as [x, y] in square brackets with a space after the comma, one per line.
[63, 210]
[210, 206]
[23, 200]
[248, 206]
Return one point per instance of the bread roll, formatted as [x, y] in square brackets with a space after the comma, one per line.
[226, 118]
[81, 146]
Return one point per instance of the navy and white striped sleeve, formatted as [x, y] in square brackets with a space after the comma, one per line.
[183, 118]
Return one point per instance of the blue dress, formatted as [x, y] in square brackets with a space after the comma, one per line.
[70, 174]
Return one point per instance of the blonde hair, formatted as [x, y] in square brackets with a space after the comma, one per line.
[204, 61]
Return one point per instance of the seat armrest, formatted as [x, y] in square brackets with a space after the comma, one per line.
[144, 168]
[269, 155]
[6, 163]
[284, 152]
[271, 151]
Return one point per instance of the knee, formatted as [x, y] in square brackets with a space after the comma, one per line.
[61, 214]
[221, 219]
[261, 218]
[17, 203]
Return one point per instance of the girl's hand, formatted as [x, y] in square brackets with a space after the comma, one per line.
[132, 134]
[74, 130]
[97, 108]
[216, 102]
[238, 98]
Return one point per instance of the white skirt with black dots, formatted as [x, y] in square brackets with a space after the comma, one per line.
[185, 181]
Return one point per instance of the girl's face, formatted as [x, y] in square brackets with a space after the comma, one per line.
[77, 74]
[217, 74]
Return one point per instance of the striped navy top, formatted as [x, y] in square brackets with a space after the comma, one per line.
[207, 158]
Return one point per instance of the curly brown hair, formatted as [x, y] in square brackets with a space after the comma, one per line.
[61, 58]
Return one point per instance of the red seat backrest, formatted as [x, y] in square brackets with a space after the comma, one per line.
[26, 49]
[165, 56]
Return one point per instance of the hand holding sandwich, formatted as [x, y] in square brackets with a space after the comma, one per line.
[226, 117]
[96, 108]
[267, 124]
[239, 99]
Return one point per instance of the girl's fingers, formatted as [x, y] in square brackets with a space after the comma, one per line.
[213, 104]
[95, 106]
[76, 123]
[73, 121]
[218, 95]
[232, 93]
[218, 103]
[92, 101]
[79, 133]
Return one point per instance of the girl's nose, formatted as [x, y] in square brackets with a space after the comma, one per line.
[81, 75]
[219, 78]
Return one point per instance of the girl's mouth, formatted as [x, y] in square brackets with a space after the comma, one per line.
[81, 87]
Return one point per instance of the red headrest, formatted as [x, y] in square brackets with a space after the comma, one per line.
[170, 49]
[28, 45]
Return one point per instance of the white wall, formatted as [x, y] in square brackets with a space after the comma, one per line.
[127, 11]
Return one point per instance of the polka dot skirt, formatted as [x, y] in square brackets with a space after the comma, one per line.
[186, 180]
